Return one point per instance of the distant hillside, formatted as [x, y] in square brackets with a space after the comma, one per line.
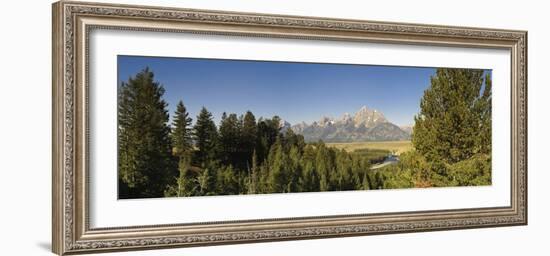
[407, 128]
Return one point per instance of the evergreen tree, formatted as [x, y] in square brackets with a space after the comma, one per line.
[277, 160]
[323, 166]
[229, 139]
[253, 173]
[454, 119]
[483, 109]
[227, 182]
[293, 139]
[359, 168]
[249, 137]
[186, 183]
[294, 169]
[344, 171]
[182, 143]
[309, 179]
[182, 137]
[145, 160]
[205, 183]
[206, 138]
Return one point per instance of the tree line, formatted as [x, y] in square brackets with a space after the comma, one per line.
[245, 155]
[241, 155]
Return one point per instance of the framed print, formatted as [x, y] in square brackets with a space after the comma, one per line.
[179, 127]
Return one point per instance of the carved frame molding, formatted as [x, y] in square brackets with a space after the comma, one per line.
[72, 22]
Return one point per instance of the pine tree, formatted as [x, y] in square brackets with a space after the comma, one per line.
[182, 142]
[294, 169]
[278, 178]
[227, 182]
[344, 170]
[322, 166]
[229, 139]
[454, 119]
[206, 137]
[204, 181]
[309, 179]
[483, 109]
[268, 131]
[249, 136]
[145, 161]
[185, 183]
[253, 175]
[182, 137]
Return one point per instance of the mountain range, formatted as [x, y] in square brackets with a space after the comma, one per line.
[364, 125]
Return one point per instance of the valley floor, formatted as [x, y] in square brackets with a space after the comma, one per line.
[396, 147]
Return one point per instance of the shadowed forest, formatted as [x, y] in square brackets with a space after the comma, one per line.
[159, 156]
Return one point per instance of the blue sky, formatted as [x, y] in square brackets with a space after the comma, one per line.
[295, 91]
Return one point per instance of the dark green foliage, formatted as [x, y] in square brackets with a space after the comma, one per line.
[238, 138]
[309, 179]
[324, 162]
[454, 119]
[229, 138]
[206, 138]
[182, 149]
[291, 165]
[227, 181]
[253, 175]
[248, 138]
[145, 161]
[267, 132]
[472, 172]
[278, 168]
[483, 110]
[186, 182]
[451, 136]
[182, 134]
[454, 126]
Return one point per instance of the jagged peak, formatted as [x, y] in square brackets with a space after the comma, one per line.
[365, 116]
[364, 108]
[346, 116]
[325, 120]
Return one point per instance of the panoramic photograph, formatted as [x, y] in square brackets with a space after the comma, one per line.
[205, 127]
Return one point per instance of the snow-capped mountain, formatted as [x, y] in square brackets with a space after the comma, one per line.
[368, 118]
[364, 125]
[284, 125]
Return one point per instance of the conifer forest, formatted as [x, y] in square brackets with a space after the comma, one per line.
[175, 154]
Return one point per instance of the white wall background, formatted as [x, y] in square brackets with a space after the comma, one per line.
[25, 140]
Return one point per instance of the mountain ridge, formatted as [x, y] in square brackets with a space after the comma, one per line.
[364, 125]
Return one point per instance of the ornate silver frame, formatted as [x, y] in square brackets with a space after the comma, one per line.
[72, 22]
